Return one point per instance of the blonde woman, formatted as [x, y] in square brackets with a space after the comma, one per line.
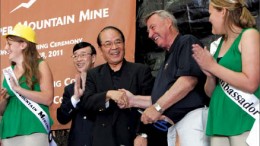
[234, 69]
[35, 83]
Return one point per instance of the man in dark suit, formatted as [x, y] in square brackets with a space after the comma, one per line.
[84, 55]
[114, 126]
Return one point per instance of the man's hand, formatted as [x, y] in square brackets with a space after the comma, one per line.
[129, 96]
[140, 141]
[150, 115]
[79, 86]
[83, 76]
[118, 97]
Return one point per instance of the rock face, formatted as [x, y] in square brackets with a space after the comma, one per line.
[192, 17]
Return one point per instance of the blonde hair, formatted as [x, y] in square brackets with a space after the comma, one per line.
[31, 61]
[238, 14]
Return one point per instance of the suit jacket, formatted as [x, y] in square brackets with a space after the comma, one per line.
[81, 127]
[114, 126]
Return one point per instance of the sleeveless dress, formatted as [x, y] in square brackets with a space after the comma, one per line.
[225, 117]
[18, 120]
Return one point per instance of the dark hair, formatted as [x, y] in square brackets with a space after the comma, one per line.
[110, 27]
[83, 45]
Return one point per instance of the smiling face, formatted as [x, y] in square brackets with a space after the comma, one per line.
[14, 49]
[217, 19]
[112, 46]
[83, 60]
[158, 30]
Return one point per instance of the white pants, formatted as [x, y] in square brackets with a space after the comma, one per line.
[36, 139]
[237, 140]
[191, 129]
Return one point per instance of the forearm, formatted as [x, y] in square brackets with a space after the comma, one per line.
[66, 110]
[210, 85]
[177, 91]
[41, 97]
[239, 80]
[109, 95]
[93, 102]
[141, 101]
[63, 116]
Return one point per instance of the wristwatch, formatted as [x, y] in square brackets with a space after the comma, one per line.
[143, 135]
[158, 108]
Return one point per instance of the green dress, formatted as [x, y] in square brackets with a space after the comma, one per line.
[225, 117]
[18, 120]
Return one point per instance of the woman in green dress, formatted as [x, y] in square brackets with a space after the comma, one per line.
[234, 68]
[19, 126]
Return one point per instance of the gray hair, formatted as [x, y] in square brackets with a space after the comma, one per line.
[163, 14]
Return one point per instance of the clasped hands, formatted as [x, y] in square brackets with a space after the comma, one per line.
[203, 58]
[119, 97]
[126, 99]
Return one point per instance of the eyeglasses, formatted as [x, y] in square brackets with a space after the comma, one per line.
[110, 44]
[83, 55]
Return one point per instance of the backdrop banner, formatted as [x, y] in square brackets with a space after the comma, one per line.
[59, 25]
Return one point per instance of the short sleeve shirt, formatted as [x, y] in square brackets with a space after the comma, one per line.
[179, 62]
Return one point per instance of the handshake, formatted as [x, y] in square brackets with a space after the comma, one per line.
[126, 99]
[122, 97]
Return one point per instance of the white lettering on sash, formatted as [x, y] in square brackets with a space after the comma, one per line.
[31, 105]
[250, 104]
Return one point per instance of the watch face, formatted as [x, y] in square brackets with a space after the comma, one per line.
[144, 135]
[158, 107]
